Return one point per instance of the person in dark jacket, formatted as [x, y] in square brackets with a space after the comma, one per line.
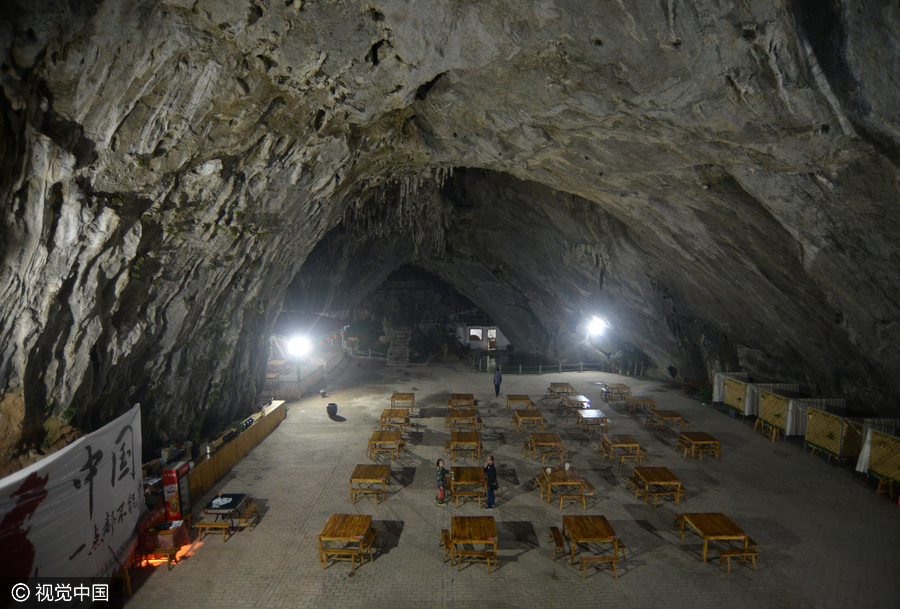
[490, 477]
[497, 379]
[442, 482]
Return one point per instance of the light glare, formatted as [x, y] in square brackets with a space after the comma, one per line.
[298, 346]
[596, 326]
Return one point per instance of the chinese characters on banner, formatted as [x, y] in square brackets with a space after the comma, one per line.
[61, 516]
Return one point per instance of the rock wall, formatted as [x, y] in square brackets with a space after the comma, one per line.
[719, 178]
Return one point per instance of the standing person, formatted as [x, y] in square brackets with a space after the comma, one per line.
[442, 482]
[490, 477]
[497, 379]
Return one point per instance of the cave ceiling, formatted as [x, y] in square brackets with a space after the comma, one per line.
[717, 178]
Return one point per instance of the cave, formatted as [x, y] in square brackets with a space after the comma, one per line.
[720, 185]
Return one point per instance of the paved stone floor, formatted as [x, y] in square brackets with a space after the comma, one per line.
[826, 539]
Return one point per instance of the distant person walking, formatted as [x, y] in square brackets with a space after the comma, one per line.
[490, 477]
[442, 482]
[497, 380]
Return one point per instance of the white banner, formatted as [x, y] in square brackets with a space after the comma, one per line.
[64, 516]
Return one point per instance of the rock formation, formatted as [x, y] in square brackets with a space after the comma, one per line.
[717, 178]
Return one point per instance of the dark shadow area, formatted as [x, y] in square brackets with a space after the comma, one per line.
[415, 437]
[507, 474]
[388, 534]
[338, 418]
[404, 476]
[516, 535]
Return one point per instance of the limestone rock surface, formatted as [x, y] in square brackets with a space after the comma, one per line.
[719, 179]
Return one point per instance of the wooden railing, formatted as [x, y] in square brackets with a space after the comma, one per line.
[206, 473]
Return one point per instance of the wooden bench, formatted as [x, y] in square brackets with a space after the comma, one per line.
[679, 493]
[545, 488]
[341, 554]
[250, 511]
[597, 561]
[559, 453]
[526, 449]
[448, 545]
[637, 455]
[143, 554]
[559, 543]
[204, 526]
[366, 546]
[572, 498]
[475, 555]
[636, 482]
[477, 494]
[588, 489]
[751, 552]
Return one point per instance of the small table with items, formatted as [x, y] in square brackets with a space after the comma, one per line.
[226, 505]
[592, 418]
[377, 475]
[562, 476]
[522, 419]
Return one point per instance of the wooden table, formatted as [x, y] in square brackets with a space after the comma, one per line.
[226, 505]
[632, 403]
[548, 439]
[474, 530]
[370, 474]
[560, 476]
[630, 447]
[462, 400]
[468, 442]
[524, 418]
[466, 477]
[592, 417]
[558, 389]
[344, 529]
[659, 477]
[616, 391]
[394, 417]
[399, 399]
[384, 442]
[511, 400]
[574, 402]
[714, 526]
[462, 417]
[590, 529]
[698, 441]
[658, 418]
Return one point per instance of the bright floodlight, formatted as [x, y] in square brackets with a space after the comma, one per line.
[595, 327]
[299, 346]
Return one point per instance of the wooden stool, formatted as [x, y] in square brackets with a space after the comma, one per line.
[559, 544]
[597, 561]
[448, 545]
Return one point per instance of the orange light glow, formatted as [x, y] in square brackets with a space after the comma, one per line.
[184, 552]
